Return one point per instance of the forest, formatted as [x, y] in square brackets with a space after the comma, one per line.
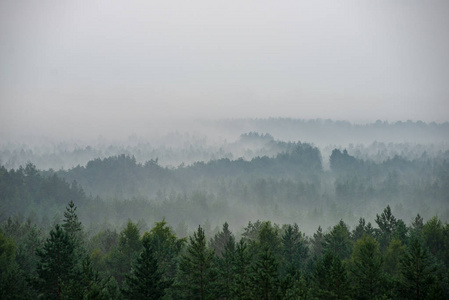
[250, 218]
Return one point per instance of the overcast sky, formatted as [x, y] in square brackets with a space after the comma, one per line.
[71, 67]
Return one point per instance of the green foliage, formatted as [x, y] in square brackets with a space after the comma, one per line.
[338, 241]
[146, 279]
[242, 271]
[294, 248]
[196, 267]
[330, 278]
[264, 277]
[417, 270]
[387, 226]
[56, 266]
[129, 245]
[367, 268]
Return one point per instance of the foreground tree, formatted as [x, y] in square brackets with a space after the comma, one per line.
[264, 279]
[417, 271]
[197, 273]
[367, 267]
[56, 266]
[146, 280]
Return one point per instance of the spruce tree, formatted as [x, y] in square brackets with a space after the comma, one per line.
[197, 271]
[225, 264]
[417, 270]
[146, 280]
[367, 267]
[56, 266]
[242, 264]
[264, 279]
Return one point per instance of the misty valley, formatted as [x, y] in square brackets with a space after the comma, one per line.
[240, 209]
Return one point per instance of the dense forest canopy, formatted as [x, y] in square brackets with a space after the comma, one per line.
[260, 218]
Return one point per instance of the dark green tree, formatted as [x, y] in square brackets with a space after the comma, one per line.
[241, 271]
[12, 281]
[367, 268]
[146, 280]
[387, 226]
[56, 266]
[119, 260]
[264, 277]
[197, 272]
[225, 261]
[330, 278]
[338, 241]
[417, 271]
[294, 248]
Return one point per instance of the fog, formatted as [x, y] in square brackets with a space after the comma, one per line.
[82, 69]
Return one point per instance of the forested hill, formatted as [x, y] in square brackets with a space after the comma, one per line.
[282, 187]
[121, 176]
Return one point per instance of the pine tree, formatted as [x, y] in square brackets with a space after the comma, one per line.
[71, 223]
[242, 262]
[264, 278]
[225, 263]
[197, 272]
[338, 241]
[146, 280]
[166, 248]
[294, 249]
[220, 240]
[417, 270]
[56, 266]
[331, 280]
[367, 267]
[387, 226]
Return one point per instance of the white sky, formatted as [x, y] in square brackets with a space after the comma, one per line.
[97, 67]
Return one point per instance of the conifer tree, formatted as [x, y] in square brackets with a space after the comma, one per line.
[367, 267]
[56, 266]
[146, 280]
[242, 262]
[223, 244]
[417, 270]
[196, 267]
[338, 241]
[264, 279]
[294, 249]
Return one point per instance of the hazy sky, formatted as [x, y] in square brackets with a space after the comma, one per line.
[70, 67]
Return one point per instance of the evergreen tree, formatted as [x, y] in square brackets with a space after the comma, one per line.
[294, 249]
[225, 264]
[56, 266]
[196, 268]
[338, 241]
[166, 248]
[242, 261]
[146, 280]
[417, 271]
[317, 242]
[367, 268]
[264, 278]
[12, 281]
[330, 276]
[120, 259]
[71, 224]
[220, 240]
[387, 226]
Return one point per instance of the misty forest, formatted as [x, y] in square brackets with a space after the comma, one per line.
[257, 217]
[224, 150]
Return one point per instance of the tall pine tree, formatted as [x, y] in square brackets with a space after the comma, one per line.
[146, 280]
[197, 272]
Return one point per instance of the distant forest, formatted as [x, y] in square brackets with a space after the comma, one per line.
[309, 220]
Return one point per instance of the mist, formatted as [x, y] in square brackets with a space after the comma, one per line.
[79, 70]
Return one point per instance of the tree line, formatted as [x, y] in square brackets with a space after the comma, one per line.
[390, 260]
